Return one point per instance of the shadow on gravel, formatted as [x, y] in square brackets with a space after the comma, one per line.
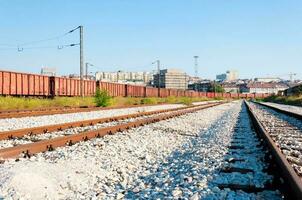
[185, 172]
[243, 171]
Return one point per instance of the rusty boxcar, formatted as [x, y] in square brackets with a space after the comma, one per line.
[23, 84]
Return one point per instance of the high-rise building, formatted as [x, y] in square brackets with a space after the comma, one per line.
[171, 79]
[230, 75]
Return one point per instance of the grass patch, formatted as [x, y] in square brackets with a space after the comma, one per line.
[218, 98]
[12, 103]
[101, 99]
[149, 101]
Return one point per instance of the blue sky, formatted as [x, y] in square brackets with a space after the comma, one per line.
[256, 37]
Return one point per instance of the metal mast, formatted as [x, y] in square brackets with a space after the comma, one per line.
[81, 62]
[158, 71]
[86, 70]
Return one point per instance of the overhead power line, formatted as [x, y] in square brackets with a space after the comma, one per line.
[59, 47]
[39, 41]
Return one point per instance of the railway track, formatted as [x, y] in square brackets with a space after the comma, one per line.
[243, 171]
[53, 111]
[140, 119]
[282, 132]
[234, 156]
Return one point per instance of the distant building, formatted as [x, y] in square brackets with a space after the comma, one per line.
[231, 87]
[193, 79]
[48, 71]
[202, 86]
[268, 79]
[140, 78]
[261, 87]
[230, 75]
[171, 79]
[221, 77]
[295, 90]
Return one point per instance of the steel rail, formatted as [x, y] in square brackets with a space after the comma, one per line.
[288, 173]
[27, 150]
[53, 111]
[59, 127]
[280, 110]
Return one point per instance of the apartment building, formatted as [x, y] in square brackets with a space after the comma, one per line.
[142, 78]
[171, 79]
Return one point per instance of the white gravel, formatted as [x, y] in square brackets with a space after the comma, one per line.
[295, 109]
[33, 138]
[175, 158]
[29, 122]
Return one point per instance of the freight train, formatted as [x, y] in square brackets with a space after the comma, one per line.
[24, 84]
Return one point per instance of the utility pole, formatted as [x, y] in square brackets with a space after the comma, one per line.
[86, 71]
[214, 88]
[195, 70]
[158, 75]
[158, 71]
[81, 62]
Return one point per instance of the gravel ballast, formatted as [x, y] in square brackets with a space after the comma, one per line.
[29, 122]
[174, 158]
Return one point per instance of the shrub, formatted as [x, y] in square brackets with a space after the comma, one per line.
[102, 98]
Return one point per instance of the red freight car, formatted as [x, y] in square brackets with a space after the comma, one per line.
[195, 94]
[71, 87]
[151, 92]
[210, 94]
[181, 93]
[173, 92]
[202, 94]
[250, 96]
[226, 95]
[21, 84]
[114, 89]
[234, 95]
[217, 94]
[135, 91]
[164, 92]
[242, 95]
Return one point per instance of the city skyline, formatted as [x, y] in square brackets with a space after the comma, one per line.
[256, 38]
